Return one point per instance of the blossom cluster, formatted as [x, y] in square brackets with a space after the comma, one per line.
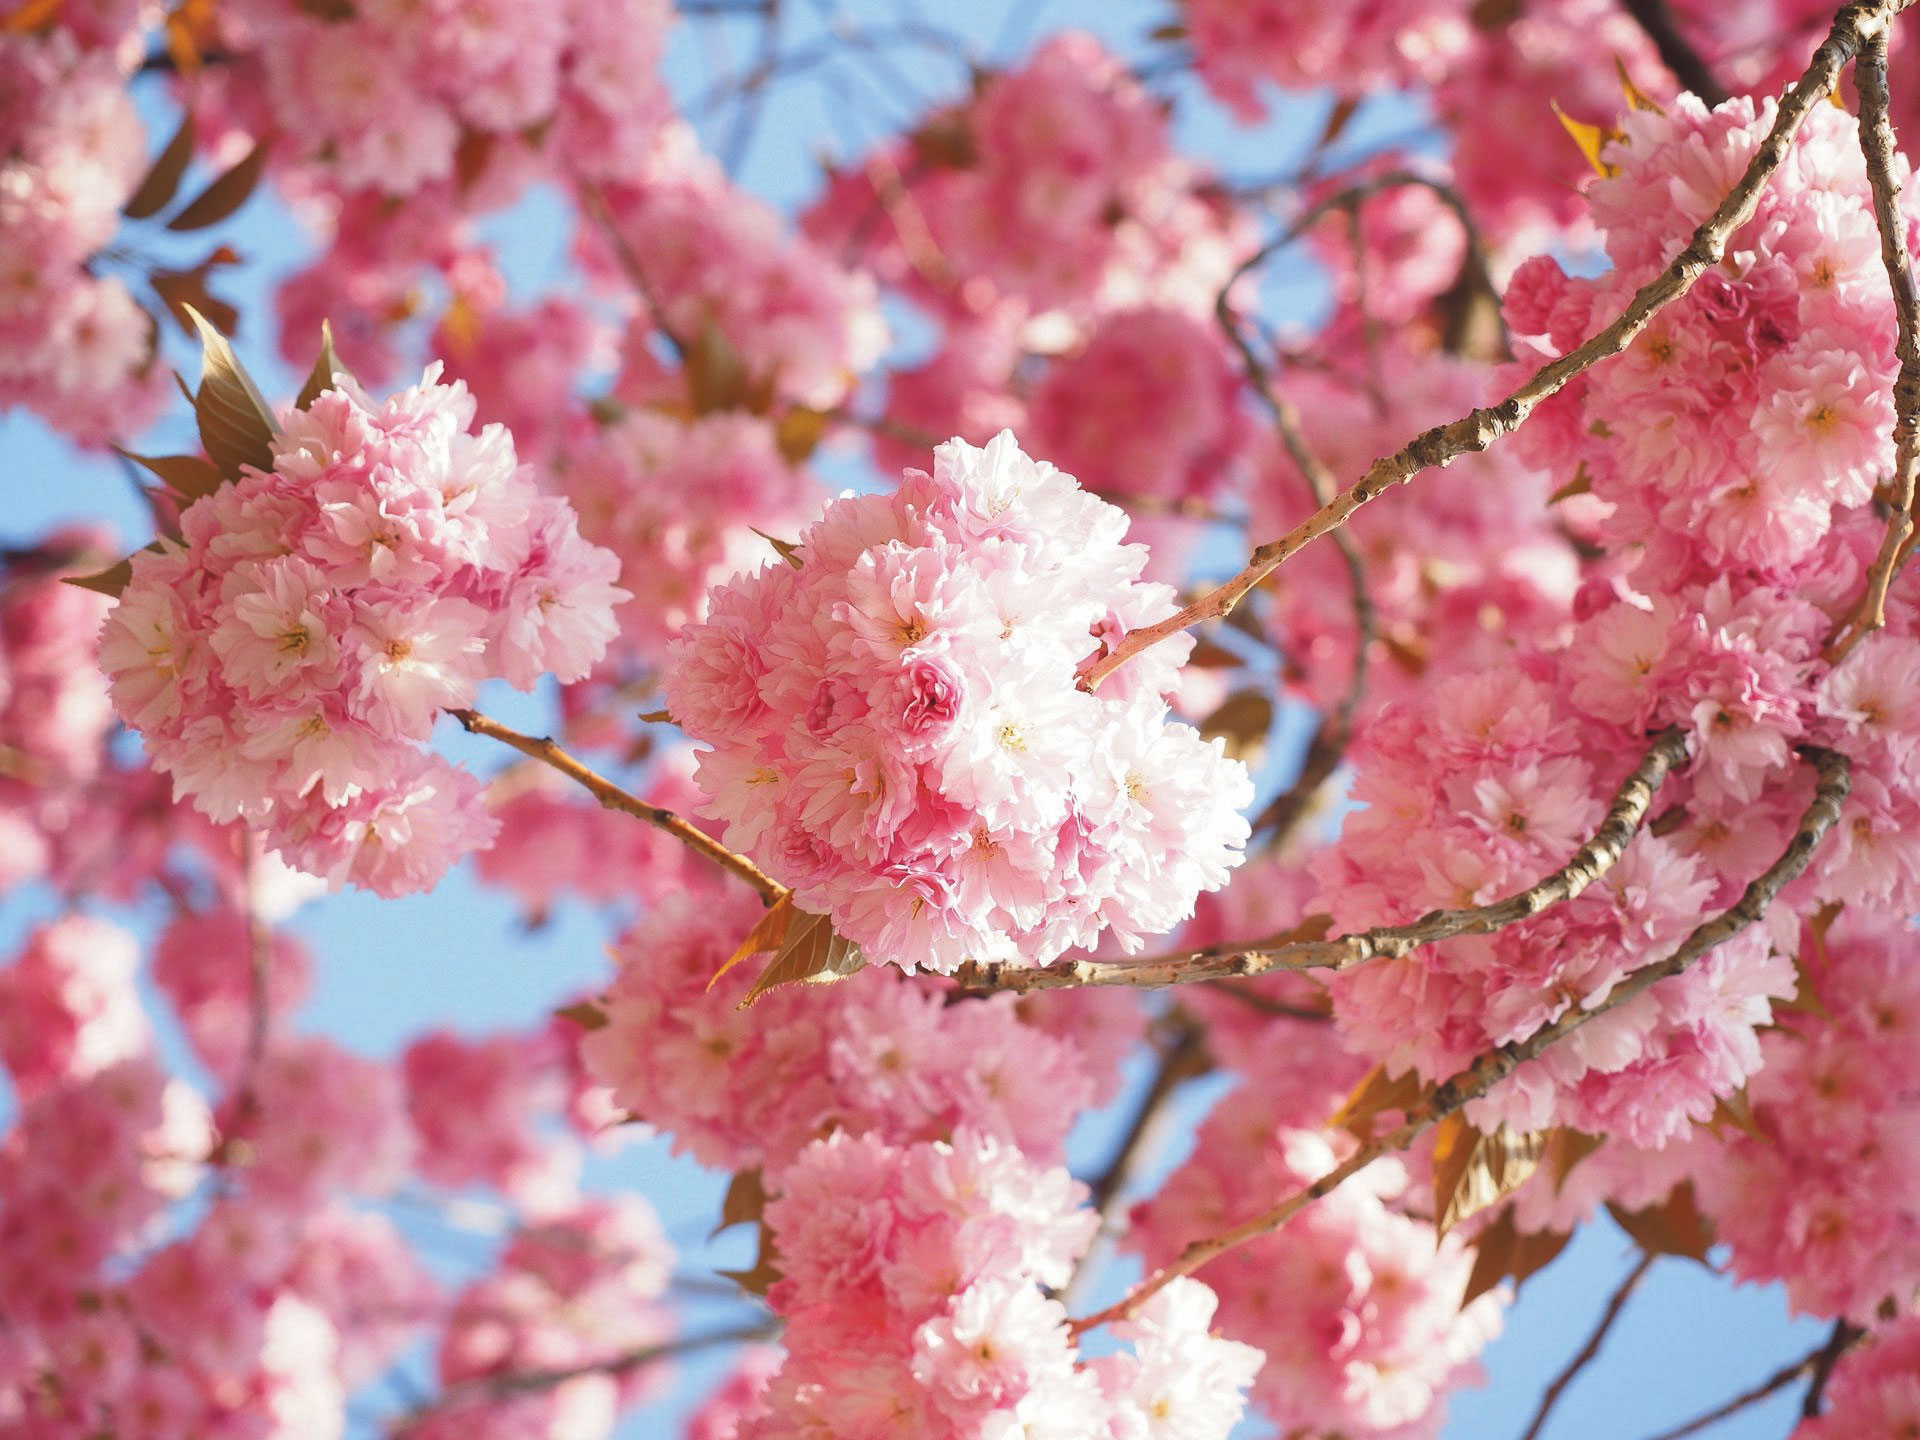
[910, 1276]
[285, 658]
[75, 346]
[898, 736]
[346, 88]
[1726, 558]
[745, 1089]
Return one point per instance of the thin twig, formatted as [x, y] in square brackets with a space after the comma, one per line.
[1335, 728]
[1772, 1385]
[1844, 1337]
[1496, 1065]
[528, 1382]
[1689, 67]
[543, 749]
[1877, 146]
[1592, 1348]
[753, 96]
[1480, 428]
[1180, 1061]
[1587, 864]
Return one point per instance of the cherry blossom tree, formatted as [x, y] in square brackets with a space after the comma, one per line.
[1447, 749]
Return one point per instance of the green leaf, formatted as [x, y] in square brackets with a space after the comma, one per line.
[188, 476]
[157, 189]
[320, 379]
[227, 193]
[811, 954]
[236, 425]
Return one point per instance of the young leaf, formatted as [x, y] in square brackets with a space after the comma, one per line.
[716, 376]
[1673, 1227]
[769, 933]
[227, 193]
[1472, 1171]
[1636, 98]
[1503, 1253]
[185, 291]
[1372, 1095]
[157, 189]
[587, 1014]
[799, 433]
[786, 549]
[1243, 721]
[765, 1269]
[188, 476]
[812, 954]
[744, 1201]
[110, 581]
[325, 367]
[236, 425]
[1591, 139]
[32, 17]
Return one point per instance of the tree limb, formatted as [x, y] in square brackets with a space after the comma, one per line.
[543, 749]
[1877, 147]
[1496, 1065]
[1584, 1358]
[1478, 429]
[1587, 864]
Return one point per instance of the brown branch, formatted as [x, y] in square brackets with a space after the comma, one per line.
[1844, 1337]
[613, 797]
[1496, 1065]
[1772, 1385]
[1335, 728]
[1218, 962]
[1480, 428]
[1592, 1348]
[1877, 146]
[1689, 67]
[1181, 1059]
[482, 1388]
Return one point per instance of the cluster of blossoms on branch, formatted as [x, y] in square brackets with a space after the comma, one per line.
[898, 733]
[916, 746]
[286, 657]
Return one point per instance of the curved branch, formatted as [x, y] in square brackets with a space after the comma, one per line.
[1475, 431]
[1219, 962]
[1877, 147]
[543, 749]
[1584, 1358]
[1496, 1065]
[1689, 67]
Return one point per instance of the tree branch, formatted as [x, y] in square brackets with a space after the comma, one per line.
[1689, 67]
[1478, 429]
[1877, 146]
[1774, 1383]
[1588, 864]
[1592, 1348]
[613, 797]
[482, 1388]
[1844, 1337]
[1490, 1069]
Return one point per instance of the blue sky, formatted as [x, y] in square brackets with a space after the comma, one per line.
[459, 957]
